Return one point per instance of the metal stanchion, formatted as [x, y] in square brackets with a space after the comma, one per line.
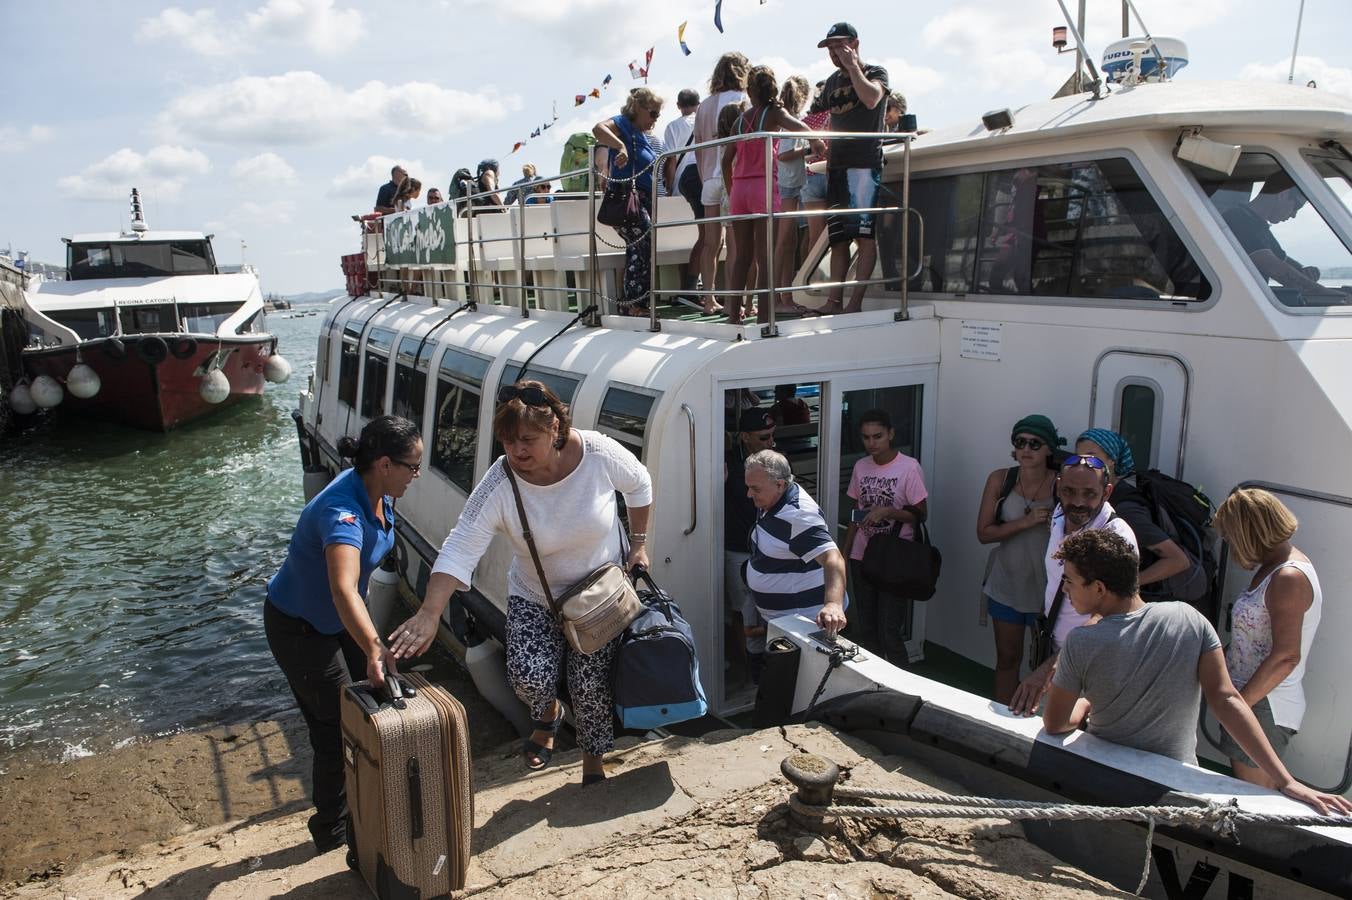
[768, 277]
[652, 250]
[471, 287]
[904, 313]
[594, 320]
[521, 247]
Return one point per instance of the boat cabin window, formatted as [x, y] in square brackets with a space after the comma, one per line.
[1086, 229]
[1335, 167]
[624, 416]
[1287, 239]
[410, 378]
[379, 343]
[152, 318]
[124, 259]
[1138, 420]
[350, 361]
[87, 323]
[460, 383]
[206, 317]
[563, 385]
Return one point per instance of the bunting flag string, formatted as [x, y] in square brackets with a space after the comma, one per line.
[635, 71]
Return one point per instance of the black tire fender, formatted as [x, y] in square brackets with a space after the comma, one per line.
[152, 350]
[114, 349]
[183, 348]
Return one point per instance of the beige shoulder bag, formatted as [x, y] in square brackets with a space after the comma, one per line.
[595, 610]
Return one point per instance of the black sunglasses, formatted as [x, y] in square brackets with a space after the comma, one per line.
[415, 468]
[1028, 444]
[1084, 459]
[531, 396]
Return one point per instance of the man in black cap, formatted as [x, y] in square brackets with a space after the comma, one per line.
[855, 94]
[755, 432]
[1251, 223]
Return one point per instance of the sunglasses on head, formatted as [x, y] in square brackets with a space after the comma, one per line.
[531, 396]
[1021, 443]
[1084, 459]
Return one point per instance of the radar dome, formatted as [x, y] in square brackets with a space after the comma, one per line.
[1118, 55]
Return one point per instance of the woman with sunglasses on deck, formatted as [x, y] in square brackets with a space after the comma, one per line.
[1015, 515]
[315, 616]
[568, 480]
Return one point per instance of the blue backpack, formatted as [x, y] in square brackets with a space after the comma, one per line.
[656, 673]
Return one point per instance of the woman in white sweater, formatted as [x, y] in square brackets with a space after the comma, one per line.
[568, 479]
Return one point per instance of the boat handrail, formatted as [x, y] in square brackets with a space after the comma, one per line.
[464, 207]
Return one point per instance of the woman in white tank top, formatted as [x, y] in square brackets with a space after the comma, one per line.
[1274, 620]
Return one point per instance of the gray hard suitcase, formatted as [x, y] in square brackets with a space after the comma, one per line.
[409, 793]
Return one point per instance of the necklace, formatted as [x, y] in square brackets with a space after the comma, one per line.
[1028, 501]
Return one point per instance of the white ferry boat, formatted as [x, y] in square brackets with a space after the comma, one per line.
[1071, 257]
[146, 330]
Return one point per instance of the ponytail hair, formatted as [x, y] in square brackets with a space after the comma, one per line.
[762, 87]
[392, 436]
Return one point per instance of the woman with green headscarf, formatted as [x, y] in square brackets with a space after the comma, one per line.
[1015, 514]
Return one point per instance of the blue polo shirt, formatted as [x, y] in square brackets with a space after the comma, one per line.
[339, 514]
[641, 154]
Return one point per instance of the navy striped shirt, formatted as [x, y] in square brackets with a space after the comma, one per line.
[783, 572]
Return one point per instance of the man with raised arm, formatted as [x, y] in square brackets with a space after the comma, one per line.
[855, 94]
[1136, 676]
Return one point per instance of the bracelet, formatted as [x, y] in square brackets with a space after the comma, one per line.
[638, 537]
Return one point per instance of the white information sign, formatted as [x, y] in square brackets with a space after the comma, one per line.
[980, 340]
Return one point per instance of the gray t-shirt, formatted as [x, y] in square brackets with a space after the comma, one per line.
[1139, 672]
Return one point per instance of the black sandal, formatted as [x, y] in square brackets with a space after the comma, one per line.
[593, 778]
[538, 752]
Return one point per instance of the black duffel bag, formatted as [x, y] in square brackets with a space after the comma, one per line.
[903, 568]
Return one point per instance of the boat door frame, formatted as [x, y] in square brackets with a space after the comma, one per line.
[1185, 400]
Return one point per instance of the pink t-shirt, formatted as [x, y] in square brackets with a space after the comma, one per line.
[897, 484]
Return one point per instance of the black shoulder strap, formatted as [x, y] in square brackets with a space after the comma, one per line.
[1057, 602]
[525, 533]
[1007, 488]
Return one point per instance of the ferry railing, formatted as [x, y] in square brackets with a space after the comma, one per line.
[770, 292]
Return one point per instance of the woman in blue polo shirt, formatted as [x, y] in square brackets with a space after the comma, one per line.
[315, 617]
[633, 158]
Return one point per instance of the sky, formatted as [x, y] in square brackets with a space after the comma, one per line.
[270, 122]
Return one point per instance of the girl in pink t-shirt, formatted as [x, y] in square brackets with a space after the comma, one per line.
[883, 485]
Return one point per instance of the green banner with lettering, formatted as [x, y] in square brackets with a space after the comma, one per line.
[419, 237]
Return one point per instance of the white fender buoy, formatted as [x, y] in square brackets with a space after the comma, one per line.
[277, 369]
[215, 386]
[47, 391]
[487, 665]
[314, 480]
[382, 600]
[83, 381]
[21, 400]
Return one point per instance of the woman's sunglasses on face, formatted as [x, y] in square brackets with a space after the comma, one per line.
[1028, 444]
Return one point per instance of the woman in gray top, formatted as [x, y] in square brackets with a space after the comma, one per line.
[1016, 509]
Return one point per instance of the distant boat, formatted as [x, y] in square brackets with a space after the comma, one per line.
[146, 330]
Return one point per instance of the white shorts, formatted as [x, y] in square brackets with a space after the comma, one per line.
[713, 194]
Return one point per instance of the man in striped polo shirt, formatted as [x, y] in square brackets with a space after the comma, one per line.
[794, 566]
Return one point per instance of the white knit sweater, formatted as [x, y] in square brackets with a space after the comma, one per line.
[574, 521]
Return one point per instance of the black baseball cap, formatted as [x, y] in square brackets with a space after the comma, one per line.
[842, 31]
[755, 420]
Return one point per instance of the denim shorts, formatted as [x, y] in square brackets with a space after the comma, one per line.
[1277, 736]
[790, 191]
[1001, 613]
[814, 188]
[851, 189]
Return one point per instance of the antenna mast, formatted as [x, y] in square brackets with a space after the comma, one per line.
[1300, 17]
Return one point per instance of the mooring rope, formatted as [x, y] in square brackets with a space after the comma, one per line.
[1223, 818]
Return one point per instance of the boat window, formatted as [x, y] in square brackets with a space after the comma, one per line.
[1335, 168]
[378, 345]
[1085, 229]
[563, 385]
[118, 259]
[460, 379]
[206, 318]
[624, 416]
[147, 319]
[1137, 421]
[410, 378]
[1287, 239]
[87, 323]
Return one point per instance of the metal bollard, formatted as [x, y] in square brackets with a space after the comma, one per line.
[814, 778]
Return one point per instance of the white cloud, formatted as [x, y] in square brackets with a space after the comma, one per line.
[263, 169]
[253, 213]
[200, 31]
[364, 180]
[163, 170]
[314, 23]
[13, 138]
[1328, 77]
[304, 107]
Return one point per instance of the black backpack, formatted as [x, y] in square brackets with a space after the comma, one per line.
[1184, 513]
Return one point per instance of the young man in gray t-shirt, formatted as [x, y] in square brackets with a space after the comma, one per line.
[1136, 676]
